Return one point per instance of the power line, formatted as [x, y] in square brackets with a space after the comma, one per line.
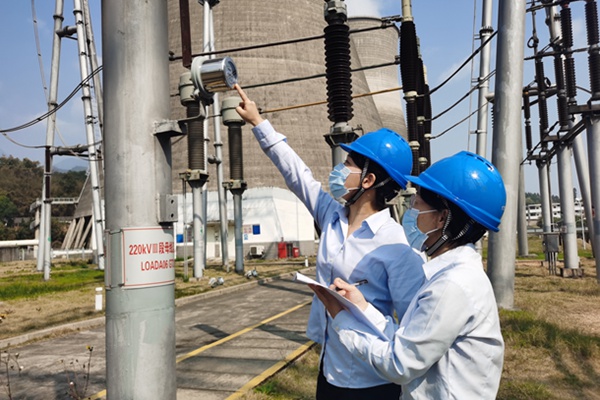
[386, 23]
[291, 80]
[61, 104]
[317, 103]
[432, 91]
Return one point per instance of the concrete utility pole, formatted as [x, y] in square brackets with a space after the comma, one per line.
[567, 205]
[507, 146]
[592, 124]
[583, 177]
[483, 81]
[545, 198]
[44, 256]
[522, 216]
[140, 207]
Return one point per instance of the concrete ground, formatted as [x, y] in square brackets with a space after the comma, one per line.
[227, 342]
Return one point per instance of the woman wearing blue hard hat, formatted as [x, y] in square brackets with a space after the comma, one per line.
[448, 345]
[359, 241]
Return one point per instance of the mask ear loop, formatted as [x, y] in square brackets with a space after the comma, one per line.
[444, 238]
[361, 190]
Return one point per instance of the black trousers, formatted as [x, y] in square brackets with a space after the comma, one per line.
[327, 391]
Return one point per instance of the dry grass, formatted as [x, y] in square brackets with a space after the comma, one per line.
[553, 336]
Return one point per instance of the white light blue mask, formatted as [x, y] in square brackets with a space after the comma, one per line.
[416, 238]
[337, 182]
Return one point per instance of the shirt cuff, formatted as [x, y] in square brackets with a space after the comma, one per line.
[266, 135]
[376, 317]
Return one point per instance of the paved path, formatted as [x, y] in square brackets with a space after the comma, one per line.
[228, 341]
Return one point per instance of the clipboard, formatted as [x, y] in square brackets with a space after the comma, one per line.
[345, 303]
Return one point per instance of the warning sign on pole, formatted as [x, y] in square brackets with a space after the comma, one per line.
[148, 257]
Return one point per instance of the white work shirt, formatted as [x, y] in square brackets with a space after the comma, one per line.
[378, 251]
[448, 345]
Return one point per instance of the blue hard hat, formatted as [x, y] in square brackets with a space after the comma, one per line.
[469, 181]
[388, 149]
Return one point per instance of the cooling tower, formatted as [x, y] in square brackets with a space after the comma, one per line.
[243, 23]
[375, 48]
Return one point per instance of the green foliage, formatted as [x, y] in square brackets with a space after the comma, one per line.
[63, 279]
[21, 185]
[8, 210]
[535, 198]
[532, 198]
[20, 181]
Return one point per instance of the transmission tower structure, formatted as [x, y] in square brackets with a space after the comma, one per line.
[87, 56]
[573, 118]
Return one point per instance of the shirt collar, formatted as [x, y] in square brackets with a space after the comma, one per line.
[373, 222]
[449, 258]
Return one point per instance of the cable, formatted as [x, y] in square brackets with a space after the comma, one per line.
[46, 115]
[385, 24]
[463, 97]
[463, 64]
[304, 78]
[459, 122]
[38, 48]
[325, 101]
[21, 144]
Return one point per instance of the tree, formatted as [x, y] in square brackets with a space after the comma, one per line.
[21, 185]
[8, 210]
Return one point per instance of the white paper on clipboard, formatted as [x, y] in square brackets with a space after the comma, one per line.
[347, 304]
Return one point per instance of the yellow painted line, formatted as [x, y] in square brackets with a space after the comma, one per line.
[271, 371]
[191, 354]
[239, 333]
[98, 395]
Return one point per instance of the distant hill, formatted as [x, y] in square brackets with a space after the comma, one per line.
[66, 164]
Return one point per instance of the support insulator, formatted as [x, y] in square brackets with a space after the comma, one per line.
[527, 116]
[591, 22]
[561, 95]
[566, 26]
[540, 80]
[195, 130]
[234, 123]
[411, 124]
[408, 56]
[594, 66]
[427, 126]
[338, 72]
[411, 116]
[236, 157]
[570, 79]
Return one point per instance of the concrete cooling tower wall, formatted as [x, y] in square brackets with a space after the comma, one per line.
[242, 23]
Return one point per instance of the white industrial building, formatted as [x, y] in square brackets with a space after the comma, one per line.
[271, 216]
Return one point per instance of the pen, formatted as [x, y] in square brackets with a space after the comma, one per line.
[358, 283]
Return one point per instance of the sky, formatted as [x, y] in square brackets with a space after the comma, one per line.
[446, 39]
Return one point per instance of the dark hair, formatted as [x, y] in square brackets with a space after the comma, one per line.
[459, 220]
[385, 193]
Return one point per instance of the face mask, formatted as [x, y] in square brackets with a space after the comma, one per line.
[337, 182]
[416, 238]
